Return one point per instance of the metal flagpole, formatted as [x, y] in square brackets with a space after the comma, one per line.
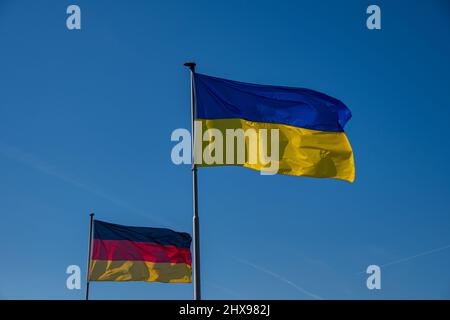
[195, 219]
[89, 256]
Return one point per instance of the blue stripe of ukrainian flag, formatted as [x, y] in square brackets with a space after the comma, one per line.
[311, 124]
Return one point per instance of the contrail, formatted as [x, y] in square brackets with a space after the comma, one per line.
[38, 164]
[415, 256]
[281, 278]
[412, 257]
[226, 290]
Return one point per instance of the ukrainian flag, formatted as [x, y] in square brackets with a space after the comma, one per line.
[123, 253]
[312, 141]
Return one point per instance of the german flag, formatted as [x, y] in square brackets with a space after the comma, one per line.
[123, 253]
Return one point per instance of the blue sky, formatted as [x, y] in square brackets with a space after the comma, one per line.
[85, 124]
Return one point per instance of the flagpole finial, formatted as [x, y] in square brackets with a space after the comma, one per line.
[190, 65]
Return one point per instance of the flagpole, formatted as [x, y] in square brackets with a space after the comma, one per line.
[89, 255]
[195, 219]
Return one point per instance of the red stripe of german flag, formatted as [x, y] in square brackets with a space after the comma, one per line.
[139, 251]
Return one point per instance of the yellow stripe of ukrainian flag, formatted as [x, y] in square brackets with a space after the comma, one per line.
[302, 152]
